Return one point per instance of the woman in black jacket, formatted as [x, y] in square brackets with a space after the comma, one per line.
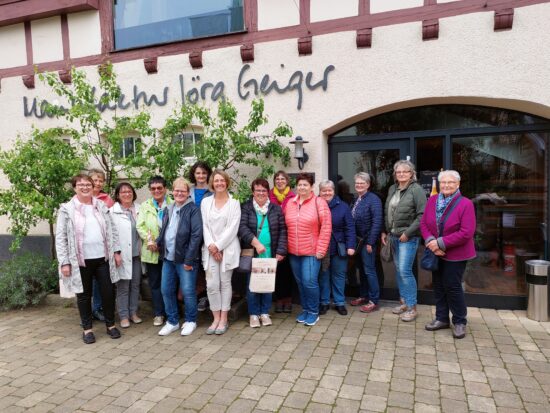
[262, 228]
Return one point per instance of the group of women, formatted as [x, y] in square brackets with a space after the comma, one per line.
[200, 231]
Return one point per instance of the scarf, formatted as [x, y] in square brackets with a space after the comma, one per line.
[160, 211]
[80, 223]
[442, 203]
[281, 195]
[261, 210]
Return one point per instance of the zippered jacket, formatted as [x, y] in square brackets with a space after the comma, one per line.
[148, 225]
[309, 226]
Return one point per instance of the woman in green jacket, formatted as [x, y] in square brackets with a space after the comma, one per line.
[148, 227]
[404, 208]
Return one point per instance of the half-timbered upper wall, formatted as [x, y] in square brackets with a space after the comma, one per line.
[273, 14]
[12, 46]
[379, 6]
[322, 10]
[84, 34]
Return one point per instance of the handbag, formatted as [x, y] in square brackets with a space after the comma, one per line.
[386, 253]
[340, 247]
[245, 260]
[358, 245]
[429, 260]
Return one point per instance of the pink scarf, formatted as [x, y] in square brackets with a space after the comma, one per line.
[80, 224]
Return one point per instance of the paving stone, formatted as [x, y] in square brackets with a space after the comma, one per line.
[477, 389]
[481, 404]
[503, 399]
[270, 402]
[241, 406]
[374, 403]
[297, 400]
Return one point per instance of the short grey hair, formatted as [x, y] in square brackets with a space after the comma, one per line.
[408, 164]
[451, 172]
[325, 183]
[363, 176]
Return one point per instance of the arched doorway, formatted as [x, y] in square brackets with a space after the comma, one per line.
[503, 160]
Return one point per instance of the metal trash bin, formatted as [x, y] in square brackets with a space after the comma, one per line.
[536, 276]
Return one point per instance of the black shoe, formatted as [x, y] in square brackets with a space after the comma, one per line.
[459, 331]
[88, 338]
[113, 332]
[323, 308]
[436, 325]
[287, 308]
[98, 315]
[341, 309]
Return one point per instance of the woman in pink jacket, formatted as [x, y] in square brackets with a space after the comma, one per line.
[448, 226]
[309, 226]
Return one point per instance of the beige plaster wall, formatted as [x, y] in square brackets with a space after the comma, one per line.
[378, 6]
[278, 13]
[13, 51]
[327, 10]
[84, 34]
[469, 63]
[47, 45]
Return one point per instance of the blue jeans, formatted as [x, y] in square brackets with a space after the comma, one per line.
[306, 272]
[188, 284]
[154, 274]
[404, 254]
[97, 303]
[334, 279]
[369, 272]
[258, 303]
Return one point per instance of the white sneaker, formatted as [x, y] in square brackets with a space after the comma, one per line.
[266, 320]
[188, 327]
[158, 321]
[168, 328]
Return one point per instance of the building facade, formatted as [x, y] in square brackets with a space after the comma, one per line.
[450, 84]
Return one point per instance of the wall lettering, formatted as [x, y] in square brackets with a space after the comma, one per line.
[246, 86]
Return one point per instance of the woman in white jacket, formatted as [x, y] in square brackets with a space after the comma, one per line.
[124, 213]
[221, 215]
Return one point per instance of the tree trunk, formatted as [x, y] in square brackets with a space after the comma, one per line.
[52, 242]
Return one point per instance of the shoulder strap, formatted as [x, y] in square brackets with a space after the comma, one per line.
[448, 213]
[261, 224]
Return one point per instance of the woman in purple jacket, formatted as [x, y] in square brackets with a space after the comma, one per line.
[454, 244]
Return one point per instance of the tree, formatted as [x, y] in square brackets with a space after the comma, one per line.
[38, 170]
[100, 137]
[242, 152]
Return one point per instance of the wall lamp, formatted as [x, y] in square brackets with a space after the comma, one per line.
[299, 152]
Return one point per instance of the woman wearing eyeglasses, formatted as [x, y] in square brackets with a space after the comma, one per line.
[404, 208]
[88, 248]
[148, 224]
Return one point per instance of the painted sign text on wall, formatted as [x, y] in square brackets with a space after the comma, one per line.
[246, 85]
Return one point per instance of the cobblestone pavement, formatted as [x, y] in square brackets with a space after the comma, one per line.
[343, 364]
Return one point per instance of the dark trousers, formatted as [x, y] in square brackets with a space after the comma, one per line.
[284, 280]
[97, 270]
[448, 292]
[154, 273]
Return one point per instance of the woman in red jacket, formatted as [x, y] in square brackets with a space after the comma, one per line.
[309, 225]
[448, 227]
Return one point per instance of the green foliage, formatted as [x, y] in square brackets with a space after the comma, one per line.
[38, 170]
[25, 280]
[97, 135]
[243, 152]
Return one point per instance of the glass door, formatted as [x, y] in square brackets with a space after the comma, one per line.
[377, 158]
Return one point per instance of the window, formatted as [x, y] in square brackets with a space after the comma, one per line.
[129, 147]
[141, 23]
[188, 140]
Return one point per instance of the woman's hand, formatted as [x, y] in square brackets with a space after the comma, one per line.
[351, 251]
[369, 248]
[152, 246]
[319, 256]
[66, 270]
[403, 238]
[260, 249]
[439, 253]
[218, 256]
[213, 249]
[433, 246]
[118, 259]
[384, 238]
[187, 267]
[279, 257]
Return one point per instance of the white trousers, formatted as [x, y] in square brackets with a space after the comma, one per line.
[218, 286]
